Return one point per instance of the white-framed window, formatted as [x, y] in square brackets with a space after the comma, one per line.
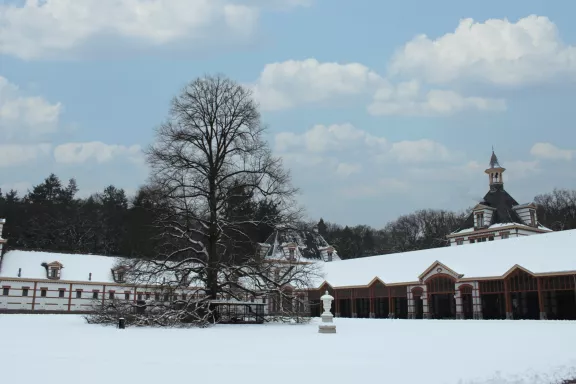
[459, 241]
[505, 235]
[5, 291]
[480, 219]
[532, 217]
[53, 273]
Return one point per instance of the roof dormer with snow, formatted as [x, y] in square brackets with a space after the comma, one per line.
[498, 215]
[297, 245]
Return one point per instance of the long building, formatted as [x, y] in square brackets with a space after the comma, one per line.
[523, 278]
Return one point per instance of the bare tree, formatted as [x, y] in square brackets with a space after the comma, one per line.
[209, 160]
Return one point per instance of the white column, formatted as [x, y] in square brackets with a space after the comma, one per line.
[425, 311]
[459, 309]
[476, 302]
[411, 309]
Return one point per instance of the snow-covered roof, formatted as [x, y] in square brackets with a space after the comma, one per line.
[501, 225]
[308, 245]
[76, 267]
[545, 253]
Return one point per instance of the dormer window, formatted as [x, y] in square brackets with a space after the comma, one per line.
[532, 217]
[119, 274]
[330, 253]
[480, 219]
[291, 253]
[53, 270]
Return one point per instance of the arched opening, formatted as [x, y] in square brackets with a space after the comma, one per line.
[559, 296]
[441, 303]
[467, 301]
[523, 289]
[381, 300]
[417, 294]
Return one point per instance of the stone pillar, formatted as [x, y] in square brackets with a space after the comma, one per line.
[459, 309]
[425, 311]
[372, 315]
[411, 309]
[476, 302]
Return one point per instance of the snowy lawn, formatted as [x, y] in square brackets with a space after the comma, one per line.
[62, 349]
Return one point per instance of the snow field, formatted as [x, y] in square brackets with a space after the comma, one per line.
[62, 349]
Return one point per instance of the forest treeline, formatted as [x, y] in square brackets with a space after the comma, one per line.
[50, 217]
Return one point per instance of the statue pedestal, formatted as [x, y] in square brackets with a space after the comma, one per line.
[327, 325]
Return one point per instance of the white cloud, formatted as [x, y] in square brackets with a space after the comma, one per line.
[25, 116]
[16, 154]
[322, 139]
[551, 152]
[50, 28]
[293, 83]
[520, 169]
[406, 99]
[78, 153]
[420, 151]
[497, 51]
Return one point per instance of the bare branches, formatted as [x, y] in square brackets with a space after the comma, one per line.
[216, 185]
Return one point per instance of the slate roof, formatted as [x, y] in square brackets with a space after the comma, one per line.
[311, 245]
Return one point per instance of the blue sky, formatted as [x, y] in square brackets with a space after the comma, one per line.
[373, 121]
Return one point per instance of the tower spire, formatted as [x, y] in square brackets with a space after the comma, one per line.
[495, 171]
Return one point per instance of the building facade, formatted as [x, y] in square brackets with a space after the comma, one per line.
[532, 277]
[498, 216]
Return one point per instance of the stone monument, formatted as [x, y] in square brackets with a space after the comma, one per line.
[327, 325]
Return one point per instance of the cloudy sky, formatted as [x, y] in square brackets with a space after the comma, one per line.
[379, 108]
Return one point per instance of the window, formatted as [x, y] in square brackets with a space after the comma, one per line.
[291, 253]
[532, 217]
[459, 241]
[95, 294]
[53, 273]
[25, 291]
[111, 295]
[127, 296]
[472, 241]
[61, 292]
[120, 276]
[481, 240]
[43, 292]
[139, 297]
[329, 256]
[147, 296]
[263, 300]
[480, 219]
[490, 238]
[5, 291]
[166, 297]
[183, 297]
[157, 296]
[78, 293]
[505, 235]
[252, 299]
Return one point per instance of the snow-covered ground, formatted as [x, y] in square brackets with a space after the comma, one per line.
[62, 349]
